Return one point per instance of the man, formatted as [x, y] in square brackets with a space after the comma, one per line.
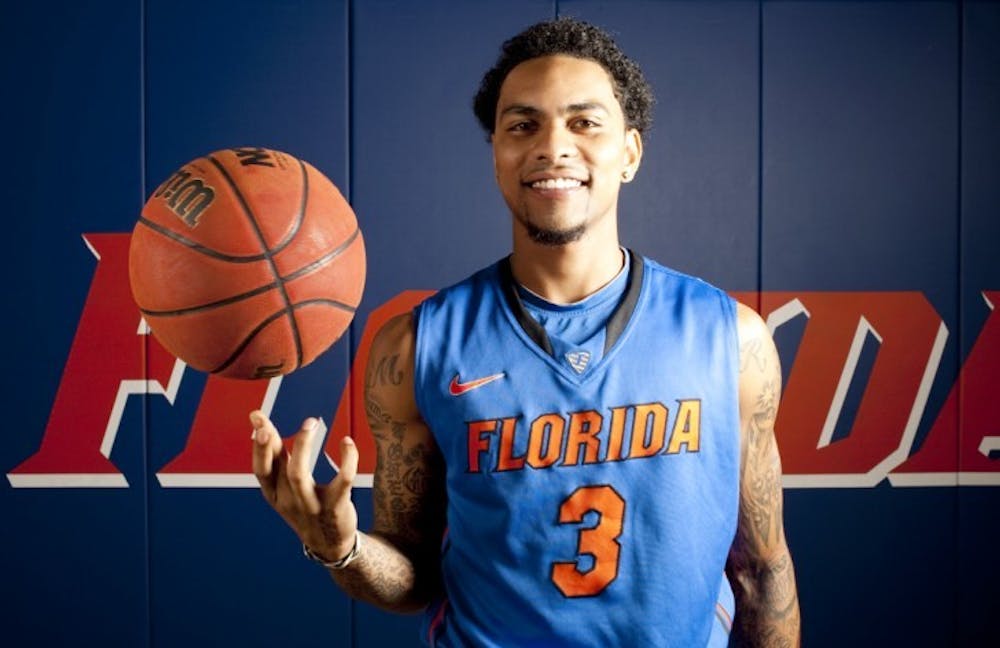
[575, 442]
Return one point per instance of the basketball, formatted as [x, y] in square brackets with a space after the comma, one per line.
[247, 263]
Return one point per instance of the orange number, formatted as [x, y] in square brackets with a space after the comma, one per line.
[599, 541]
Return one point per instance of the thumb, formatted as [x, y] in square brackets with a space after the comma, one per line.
[342, 484]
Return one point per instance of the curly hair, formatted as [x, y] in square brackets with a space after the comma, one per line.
[573, 38]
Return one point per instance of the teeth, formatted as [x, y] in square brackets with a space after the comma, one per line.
[556, 183]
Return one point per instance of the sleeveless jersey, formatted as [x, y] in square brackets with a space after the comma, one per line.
[583, 510]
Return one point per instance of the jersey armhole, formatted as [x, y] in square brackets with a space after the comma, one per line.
[731, 318]
[419, 370]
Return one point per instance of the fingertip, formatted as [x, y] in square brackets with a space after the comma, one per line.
[259, 432]
[349, 458]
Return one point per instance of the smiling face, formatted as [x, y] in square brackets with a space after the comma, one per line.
[561, 148]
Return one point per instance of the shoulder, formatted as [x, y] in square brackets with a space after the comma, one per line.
[395, 336]
[389, 378]
[401, 335]
[661, 273]
[749, 324]
[400, 330]
[457, 305]
[760, 366]
[489, 274]
[665, 283]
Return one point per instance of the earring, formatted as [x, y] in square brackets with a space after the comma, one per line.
[626, 176]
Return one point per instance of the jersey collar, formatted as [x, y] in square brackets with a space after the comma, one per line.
[612, 330]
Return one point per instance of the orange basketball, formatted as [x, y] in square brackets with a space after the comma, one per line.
[247, 263]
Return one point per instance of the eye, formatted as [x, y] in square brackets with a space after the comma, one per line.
[521, 127]
[585, 123]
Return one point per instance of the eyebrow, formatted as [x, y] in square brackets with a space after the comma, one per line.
[531, 111]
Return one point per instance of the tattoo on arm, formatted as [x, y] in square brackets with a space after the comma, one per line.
[399, 566]
[761, 492]
[385, 372]
[408, 473]
[760, 566]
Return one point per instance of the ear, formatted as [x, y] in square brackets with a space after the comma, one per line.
[633, 153]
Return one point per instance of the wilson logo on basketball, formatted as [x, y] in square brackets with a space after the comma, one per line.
[185, 196]
[248, 155]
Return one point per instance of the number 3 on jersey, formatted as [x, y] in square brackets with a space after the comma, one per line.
[600, 541]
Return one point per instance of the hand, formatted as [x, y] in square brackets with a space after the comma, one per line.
[323, 516]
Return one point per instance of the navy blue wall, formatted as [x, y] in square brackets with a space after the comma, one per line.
[797, 146]
[859, 166]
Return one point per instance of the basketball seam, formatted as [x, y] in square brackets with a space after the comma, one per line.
[304, 270]
[211, 305]
[325, 259]
[226, 302]
[271, 318]
[241, 347]
[198, 247]
[268, 253]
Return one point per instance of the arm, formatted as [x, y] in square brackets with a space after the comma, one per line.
[398, 565]
[760, 566]
[398, 568]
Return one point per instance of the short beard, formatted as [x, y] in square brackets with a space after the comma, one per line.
[553, 238]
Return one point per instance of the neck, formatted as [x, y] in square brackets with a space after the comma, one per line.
[566, 273]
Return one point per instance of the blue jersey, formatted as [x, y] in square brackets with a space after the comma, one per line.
[584, 509]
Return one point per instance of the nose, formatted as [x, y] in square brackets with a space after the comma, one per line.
[555, 142]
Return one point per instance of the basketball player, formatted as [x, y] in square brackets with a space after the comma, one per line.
[576, 444]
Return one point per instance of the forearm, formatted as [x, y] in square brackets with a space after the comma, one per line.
[386, 577]
[767, 604]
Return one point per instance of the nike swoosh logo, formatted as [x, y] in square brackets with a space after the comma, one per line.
[457, 388]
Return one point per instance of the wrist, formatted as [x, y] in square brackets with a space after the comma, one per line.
[345, 560]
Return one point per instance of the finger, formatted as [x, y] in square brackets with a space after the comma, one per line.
[301, 460]
[341, 486]
[266, 449]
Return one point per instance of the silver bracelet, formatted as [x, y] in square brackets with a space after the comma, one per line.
[336, 564]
